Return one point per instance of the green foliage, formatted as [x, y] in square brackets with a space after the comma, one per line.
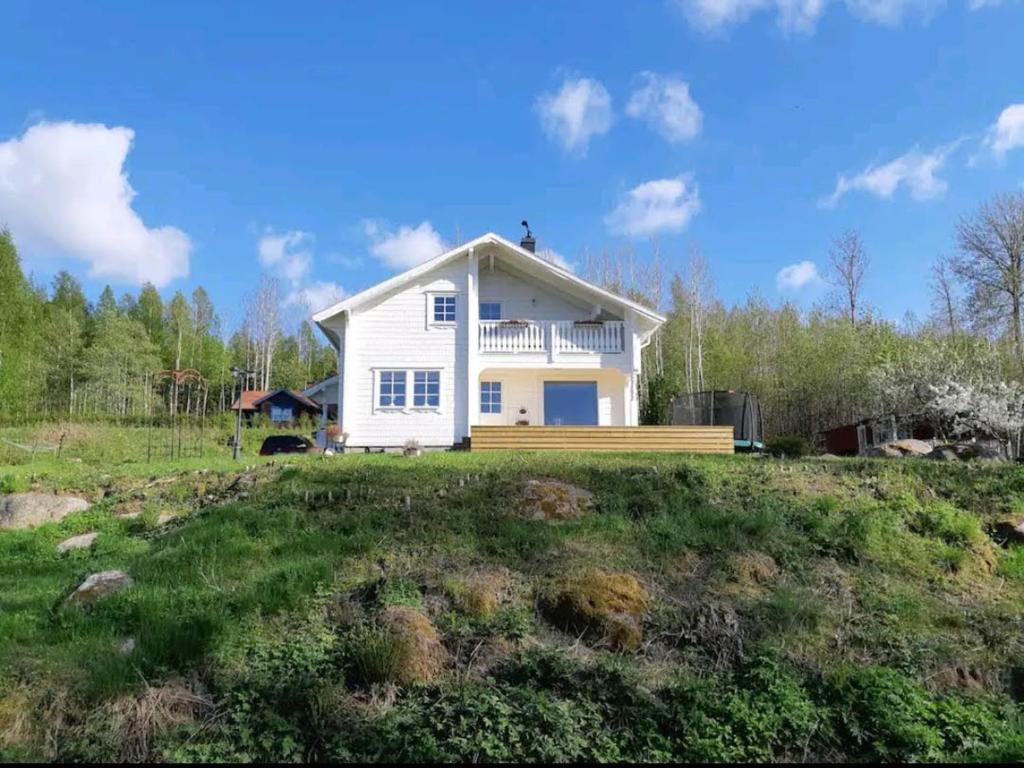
[657, 401]
[788, 446]
[262, 603]
[376, 655]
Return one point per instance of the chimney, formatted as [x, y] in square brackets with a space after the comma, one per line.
[528, 242]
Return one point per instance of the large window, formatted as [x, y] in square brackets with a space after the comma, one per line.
[280, 413]
[490, 310]
[490, 397]
[570, 402]
[392, 389]
[443, 308]
[426, 389]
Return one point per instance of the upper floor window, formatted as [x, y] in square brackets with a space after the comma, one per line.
[490, 397]
[426, 389]
[490, 310]
[443, 308]
[391, 393]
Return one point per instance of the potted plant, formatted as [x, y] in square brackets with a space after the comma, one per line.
[412, 448]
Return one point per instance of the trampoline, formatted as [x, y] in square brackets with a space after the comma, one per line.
[740, 409]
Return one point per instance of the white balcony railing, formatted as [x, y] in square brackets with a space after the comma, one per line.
[561, 336]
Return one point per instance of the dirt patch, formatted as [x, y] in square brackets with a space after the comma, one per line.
[552, 500]
[424, 656]
[604, 604]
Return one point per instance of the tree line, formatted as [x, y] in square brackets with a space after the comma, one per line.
[839, 361]
[64, 357]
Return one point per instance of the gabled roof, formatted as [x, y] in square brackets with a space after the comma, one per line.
[320, 386]
[248, 398]
[490, 238]
[297, 396]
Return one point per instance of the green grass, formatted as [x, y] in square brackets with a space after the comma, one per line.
[264, 604]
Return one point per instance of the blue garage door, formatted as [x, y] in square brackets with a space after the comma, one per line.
[570, 402]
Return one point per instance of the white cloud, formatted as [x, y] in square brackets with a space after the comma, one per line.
[405, 248]
[662, 205]
[287, 254]
[556, 258]
[797, 276]
[664, 103]
[64, 188]
[715, 15]
[316, 296]
[890, 13]
[914, 170]
[579, 110]
[1008, 131]
[803, 15]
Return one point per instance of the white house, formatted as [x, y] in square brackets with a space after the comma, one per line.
[488, 333]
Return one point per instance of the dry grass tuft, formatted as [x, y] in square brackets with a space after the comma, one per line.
[136, 720]
[424, 655]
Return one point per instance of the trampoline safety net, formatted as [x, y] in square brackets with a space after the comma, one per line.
[740, 409]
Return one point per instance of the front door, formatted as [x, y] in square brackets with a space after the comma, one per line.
[570, 402]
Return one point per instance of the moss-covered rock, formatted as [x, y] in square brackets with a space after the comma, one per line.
[604, 604]
[553, 500]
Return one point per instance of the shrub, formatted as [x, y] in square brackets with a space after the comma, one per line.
[788, 446]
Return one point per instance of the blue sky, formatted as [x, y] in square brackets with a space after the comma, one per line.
[332, 144]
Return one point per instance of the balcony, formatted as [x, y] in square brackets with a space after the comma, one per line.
[558, 337]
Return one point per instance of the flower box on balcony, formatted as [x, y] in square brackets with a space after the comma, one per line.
[588, 323]
[515, 323]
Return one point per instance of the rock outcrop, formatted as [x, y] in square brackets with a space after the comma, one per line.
[27, 510]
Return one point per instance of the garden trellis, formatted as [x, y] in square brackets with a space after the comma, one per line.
[178, 424]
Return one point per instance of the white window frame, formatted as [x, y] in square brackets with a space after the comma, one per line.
[498, 304]
[378, 378]
[411, 399]
[434, 295]
[501, 398]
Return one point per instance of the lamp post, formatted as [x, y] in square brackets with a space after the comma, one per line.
[238, 374]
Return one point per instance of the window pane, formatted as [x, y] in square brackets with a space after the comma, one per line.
[490, 397]
[392, 388]
[444, 309]
[490, 310]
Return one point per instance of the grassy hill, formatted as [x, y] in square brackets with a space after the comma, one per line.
[384, 608]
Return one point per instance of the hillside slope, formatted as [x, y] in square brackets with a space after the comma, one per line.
[445, 608]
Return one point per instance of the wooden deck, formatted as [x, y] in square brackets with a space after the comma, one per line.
[666, 439]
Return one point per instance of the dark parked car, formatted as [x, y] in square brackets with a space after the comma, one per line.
[286, 444]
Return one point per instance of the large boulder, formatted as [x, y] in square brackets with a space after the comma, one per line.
[98, 586]
[553, 500]
[899, 448]
[27, 510]
[981, 450]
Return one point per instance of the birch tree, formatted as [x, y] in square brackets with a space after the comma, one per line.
[849, 263]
